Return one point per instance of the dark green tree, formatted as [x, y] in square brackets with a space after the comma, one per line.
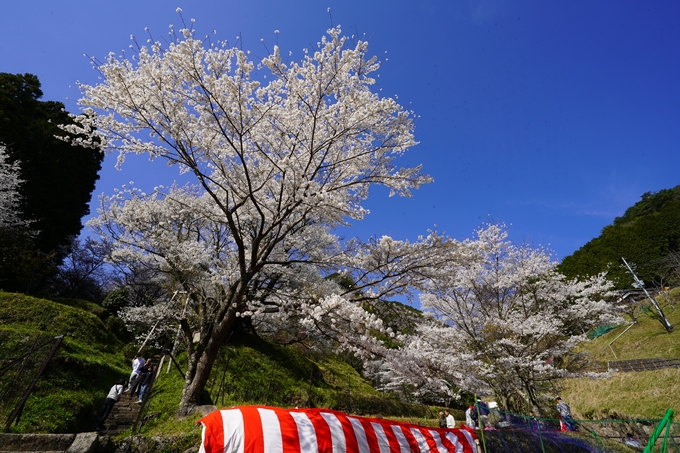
[645, 235]
[58, 178]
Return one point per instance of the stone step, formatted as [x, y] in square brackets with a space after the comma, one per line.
[33, 451]
[35, 442]
[643, 364]
[125, 412]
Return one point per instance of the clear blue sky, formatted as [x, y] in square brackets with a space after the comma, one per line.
[551, 116]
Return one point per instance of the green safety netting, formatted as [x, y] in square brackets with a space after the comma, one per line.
[598, 332]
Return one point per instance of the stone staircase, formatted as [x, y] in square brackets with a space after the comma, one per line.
[123, 415]
[126, 411]
[643, 364]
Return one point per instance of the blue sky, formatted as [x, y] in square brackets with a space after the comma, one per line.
[550, 116]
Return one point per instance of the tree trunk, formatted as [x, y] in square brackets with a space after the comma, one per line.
[194, 386]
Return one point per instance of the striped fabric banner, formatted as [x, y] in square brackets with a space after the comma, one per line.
[256, 429]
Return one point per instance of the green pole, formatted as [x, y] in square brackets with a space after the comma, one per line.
[479, 420]
[659, 428]
[540, 437]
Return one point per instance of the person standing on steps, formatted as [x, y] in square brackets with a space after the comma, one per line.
[137, 365]
[111, 399]
[145, 380]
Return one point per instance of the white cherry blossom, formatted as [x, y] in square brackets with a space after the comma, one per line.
[278, 163]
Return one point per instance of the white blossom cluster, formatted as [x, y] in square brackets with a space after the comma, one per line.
[507, 322]
[10, 197]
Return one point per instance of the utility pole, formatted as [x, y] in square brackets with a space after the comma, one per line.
[641, 285]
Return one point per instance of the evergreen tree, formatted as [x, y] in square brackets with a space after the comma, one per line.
[57, 183]
[646, 235]
[58, 178]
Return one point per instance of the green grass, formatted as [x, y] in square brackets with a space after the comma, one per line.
[632, 394]
[253, 371]
[75, 381]
[644, 394]
[90, 359]
[646, 339]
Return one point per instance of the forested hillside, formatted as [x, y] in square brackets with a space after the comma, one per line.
[647, 235]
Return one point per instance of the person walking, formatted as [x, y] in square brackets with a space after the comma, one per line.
[470, 417]
[450, 422]
[137, 365]
[109, 402]
[145, 380]
[565, 415]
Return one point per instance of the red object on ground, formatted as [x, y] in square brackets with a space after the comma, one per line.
[258, 429]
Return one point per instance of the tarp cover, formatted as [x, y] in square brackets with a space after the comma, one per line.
[257, 429]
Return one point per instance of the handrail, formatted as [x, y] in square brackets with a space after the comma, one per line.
[610, 344]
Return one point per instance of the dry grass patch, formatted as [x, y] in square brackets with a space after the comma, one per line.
[624, 395]
[646, 339]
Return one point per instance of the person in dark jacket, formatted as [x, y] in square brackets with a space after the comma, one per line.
[442, 420]
[482, 409]
[145, 380]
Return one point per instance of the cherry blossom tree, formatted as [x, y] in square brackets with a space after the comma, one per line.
[503, 321]
[9, 192]
[282, 154]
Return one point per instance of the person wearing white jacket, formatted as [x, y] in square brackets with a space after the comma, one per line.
[137, 365]
[450, 422]
[111, 399]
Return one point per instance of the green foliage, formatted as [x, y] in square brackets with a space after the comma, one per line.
[253, 371]
[649, 203]
[23, 266]
[401, 318]
[648, 232]
[116, 300]
[59, 178]
[249, 370]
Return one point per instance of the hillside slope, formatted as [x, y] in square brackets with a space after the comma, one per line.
[91, 358]
[631, 394]
[85, 366]
[645, 235]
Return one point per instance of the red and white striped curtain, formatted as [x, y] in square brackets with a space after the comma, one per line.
[253, 429]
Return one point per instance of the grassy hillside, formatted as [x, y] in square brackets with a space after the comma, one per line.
[253, 371]
[646, 339]
[92, 358]
[89, 360]
[636, 394]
